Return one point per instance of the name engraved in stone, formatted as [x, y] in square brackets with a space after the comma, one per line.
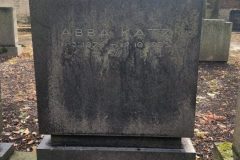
[149, 40]
[78, 32]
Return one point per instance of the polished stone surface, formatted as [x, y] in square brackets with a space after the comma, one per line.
[116, 67]
[47, 152]
[112, 141]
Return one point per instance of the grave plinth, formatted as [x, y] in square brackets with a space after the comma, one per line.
[116, 79]
[8, 32]
[215, 40]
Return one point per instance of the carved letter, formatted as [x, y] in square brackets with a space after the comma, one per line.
[104, 33]
[125, 32]
[65, 32]
[78, 33]
[91, 32]
[139, 33]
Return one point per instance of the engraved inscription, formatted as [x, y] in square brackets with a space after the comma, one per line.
[96, 40]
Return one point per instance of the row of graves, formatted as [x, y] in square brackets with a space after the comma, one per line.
[117, 79]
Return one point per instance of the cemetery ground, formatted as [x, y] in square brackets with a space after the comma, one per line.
[216, 101]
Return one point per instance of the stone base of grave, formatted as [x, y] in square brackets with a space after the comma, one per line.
[6, 150]
[10, 51]
[46, 151]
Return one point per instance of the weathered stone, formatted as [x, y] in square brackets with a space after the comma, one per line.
[24, 156]
[8, 32]
[6, 150]
[116, 79]
[223, 151]
[235, 19]
[47, 152]
[22, 9]
[212, 9]
[236, 143]
[116, 67]
[215, 40]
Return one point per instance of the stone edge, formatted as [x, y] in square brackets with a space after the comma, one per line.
[186, 142]
[6, 150]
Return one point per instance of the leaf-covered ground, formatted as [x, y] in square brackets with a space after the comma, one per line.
[216, 100]
[218, 85]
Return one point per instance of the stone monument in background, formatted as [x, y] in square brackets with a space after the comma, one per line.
[235, 19]
[215, 40]
[116, 79]
[212, 9]
[8, 32]
[22, 9]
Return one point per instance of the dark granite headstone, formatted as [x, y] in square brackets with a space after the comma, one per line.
[117, 68]
[235, 19]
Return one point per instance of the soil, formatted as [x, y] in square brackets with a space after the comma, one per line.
[216, 100]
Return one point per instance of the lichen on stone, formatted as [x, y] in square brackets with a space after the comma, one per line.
[3, 50]
[225, 149]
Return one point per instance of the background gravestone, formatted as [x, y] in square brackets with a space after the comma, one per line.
[116, 73]
[212, 9]
[8, 32]
[235, 19]
[215, 40]
[22, 9]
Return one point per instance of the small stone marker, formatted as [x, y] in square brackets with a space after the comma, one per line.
[236, 139]
[8, 33]
[235, 19]
[215, 40]
[6, 149]
[116, 79]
